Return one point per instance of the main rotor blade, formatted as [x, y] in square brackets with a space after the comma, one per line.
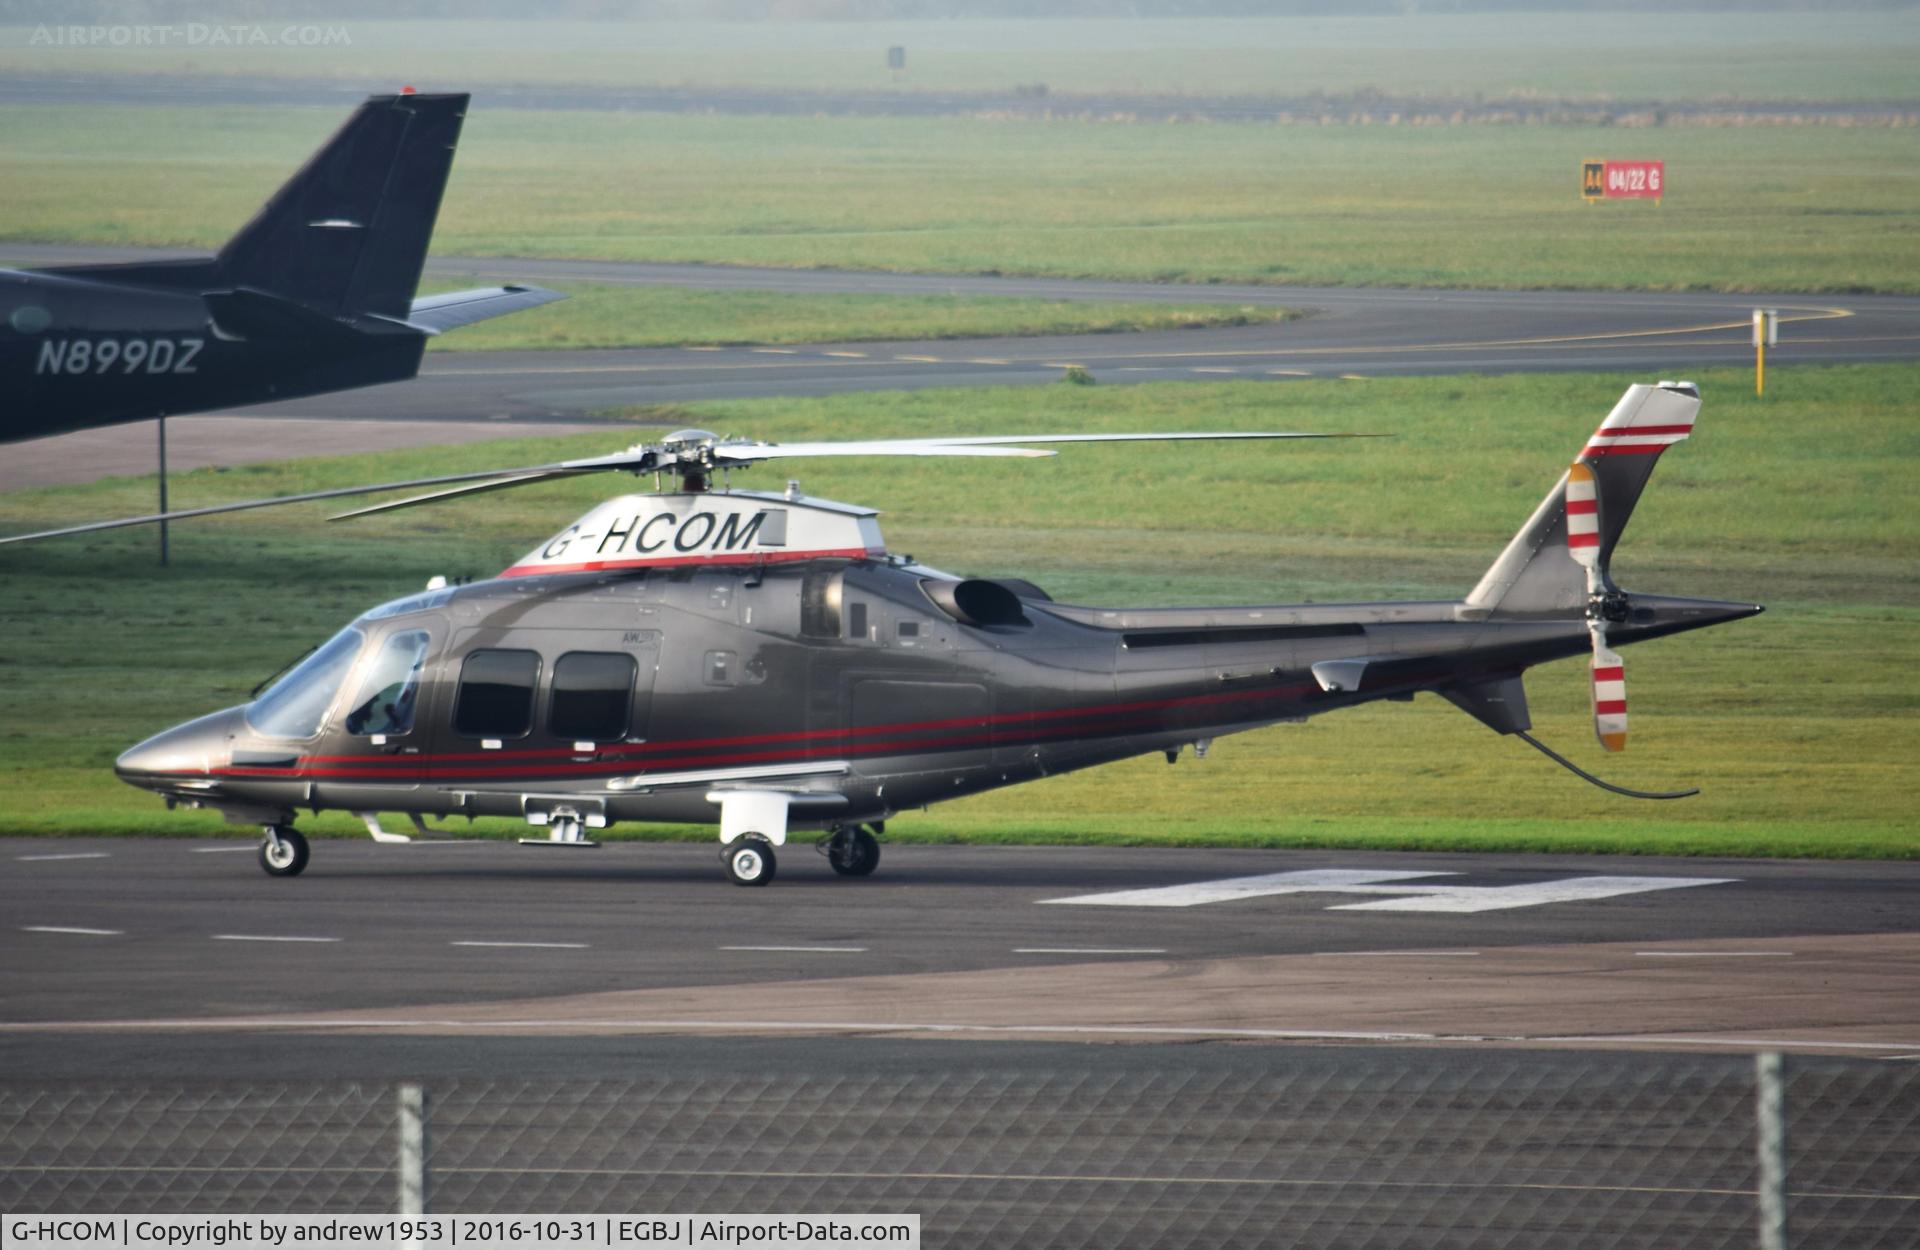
[641, 458]
[751, 452]
[276, 501]
[1158, 437]
[974, 445]
[457, 492]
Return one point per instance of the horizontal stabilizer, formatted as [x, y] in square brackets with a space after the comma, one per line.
[435, 313]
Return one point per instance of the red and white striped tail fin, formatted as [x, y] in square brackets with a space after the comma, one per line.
[1587, 510]
[1609, 696]
[1638, 427]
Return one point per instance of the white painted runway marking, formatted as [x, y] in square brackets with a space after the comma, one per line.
[987, 360]
[656, 1025]
[56, 928]
[1439, 897]
[1193, 895]
[772, 351]
[1461, 899]
[923, 360]
[545, 946]
[1714, 954]
[1397, 954]
[266, 937]
[1089, 950]
[29, 859]
[1747, 1043]
[847, 355]
[812, 950]
[224, 850]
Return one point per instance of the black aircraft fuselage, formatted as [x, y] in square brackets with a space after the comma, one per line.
[314, 294]
[89, 352]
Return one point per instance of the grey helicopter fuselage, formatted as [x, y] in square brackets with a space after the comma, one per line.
[862, 669]
[761, 660]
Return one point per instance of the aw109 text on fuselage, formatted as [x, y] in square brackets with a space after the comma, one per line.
[761, 660]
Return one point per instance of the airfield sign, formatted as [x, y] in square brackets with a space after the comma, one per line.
[1623, 180]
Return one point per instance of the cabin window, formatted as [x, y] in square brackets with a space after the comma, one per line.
[294, 706]
[496, 694]
[820, 605]
[387, 693]
[592, 696]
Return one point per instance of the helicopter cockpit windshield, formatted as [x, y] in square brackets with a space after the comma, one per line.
[294, 706]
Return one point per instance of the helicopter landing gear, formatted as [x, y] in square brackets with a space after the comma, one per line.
[749, 860]
[283, 852]
[853, 851]
[752, 823]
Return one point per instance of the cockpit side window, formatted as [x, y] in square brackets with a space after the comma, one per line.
[294, 706]
[387, 694]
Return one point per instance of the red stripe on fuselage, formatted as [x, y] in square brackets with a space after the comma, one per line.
[680, 746]
[1010, 730]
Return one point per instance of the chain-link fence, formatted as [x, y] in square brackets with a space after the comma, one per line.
[1441, 1149]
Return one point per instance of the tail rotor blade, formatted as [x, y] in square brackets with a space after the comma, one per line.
[1609, 694]
[1583, 521]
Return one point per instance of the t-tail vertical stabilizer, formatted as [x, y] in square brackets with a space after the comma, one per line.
[348, 233]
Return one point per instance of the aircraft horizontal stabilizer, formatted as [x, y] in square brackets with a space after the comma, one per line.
[437, 313]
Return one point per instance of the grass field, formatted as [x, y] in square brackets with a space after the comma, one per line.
[1846, 56]
[660, 316]
[1800, 724]
[1787, 209]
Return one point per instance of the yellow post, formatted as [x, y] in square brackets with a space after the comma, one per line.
[1759, 369]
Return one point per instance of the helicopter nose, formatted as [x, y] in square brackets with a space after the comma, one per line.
[194, 749]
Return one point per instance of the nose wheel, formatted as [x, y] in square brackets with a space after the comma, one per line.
[853, 852]
[283, 852]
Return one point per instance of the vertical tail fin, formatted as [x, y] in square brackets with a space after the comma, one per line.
[348, 233]
[1570, 538]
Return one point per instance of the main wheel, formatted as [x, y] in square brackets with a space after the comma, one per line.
[750, 860]
[854, 852]
[286, 857]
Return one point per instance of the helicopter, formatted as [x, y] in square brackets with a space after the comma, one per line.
[762, 661]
